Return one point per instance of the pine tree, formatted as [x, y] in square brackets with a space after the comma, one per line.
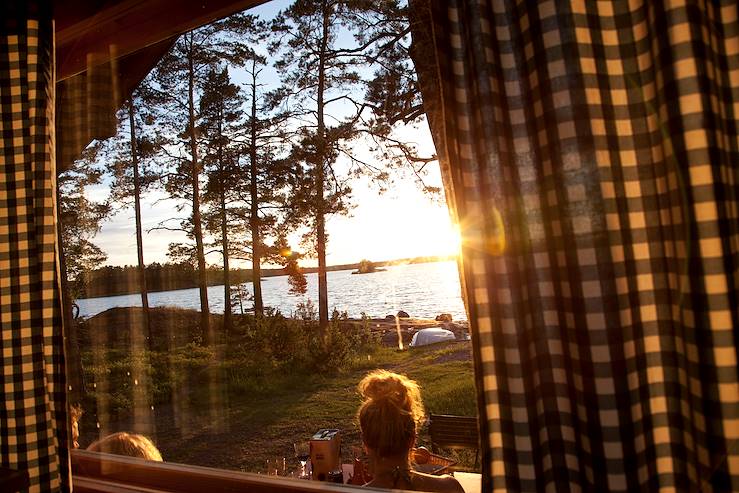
[130, 159]
[289, 261]
[220, 111]
[80, 219]
[267, 178]
[327, 49]
[318, 73]
[393, 94]
[295, 277]
[179, 77]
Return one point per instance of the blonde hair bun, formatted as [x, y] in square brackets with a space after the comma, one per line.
[384, 387]
[390, 414]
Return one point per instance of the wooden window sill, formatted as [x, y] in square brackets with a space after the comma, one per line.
[105, 473]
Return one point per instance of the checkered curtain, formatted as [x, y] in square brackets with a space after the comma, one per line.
[591, 156]
[86, 107]
[33, 425]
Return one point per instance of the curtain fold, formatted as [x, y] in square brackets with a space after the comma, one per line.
[86, 107]
[590, 154]
[33, 414]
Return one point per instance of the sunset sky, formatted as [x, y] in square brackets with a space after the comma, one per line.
[403, 222]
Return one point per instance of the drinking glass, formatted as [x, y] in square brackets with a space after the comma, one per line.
[275, 467]
[302, 453]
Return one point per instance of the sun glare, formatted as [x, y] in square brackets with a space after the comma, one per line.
[452, 242]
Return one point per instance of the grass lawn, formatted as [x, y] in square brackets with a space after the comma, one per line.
[228, 418]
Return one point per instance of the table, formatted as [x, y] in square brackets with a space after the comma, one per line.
[471, 482]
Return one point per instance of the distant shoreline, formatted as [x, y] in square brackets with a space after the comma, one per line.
[354, 266]
[267, 273]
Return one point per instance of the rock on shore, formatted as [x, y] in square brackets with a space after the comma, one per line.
[386, 328]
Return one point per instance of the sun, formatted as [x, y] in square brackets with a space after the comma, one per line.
[450, 243]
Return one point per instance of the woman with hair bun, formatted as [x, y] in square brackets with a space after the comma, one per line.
[389, 418]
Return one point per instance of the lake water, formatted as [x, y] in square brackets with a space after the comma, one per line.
[422, 290]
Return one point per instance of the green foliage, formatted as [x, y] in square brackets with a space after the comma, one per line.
[457, 398]
[344, 344]
[220, 113]
[276, 341]
[192, 355]
[306, 311]
[240, 298]
[296, 279]
[283, 339]
[81, 218]
[278, 383]
[259, 352]
[114, 372]
[447, 387]
[130, 156]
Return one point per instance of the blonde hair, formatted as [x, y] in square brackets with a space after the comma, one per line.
[391, 412]
[75, 412]
[129, 444]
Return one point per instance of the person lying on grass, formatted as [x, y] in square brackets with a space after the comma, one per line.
[129, 444]
[389, 418]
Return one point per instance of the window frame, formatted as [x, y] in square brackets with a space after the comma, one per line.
[75, 38]
[96, 471]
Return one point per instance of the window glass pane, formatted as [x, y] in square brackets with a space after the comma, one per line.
[258, 149]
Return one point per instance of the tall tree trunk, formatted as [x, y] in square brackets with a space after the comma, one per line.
[143, 422]
[256, 239]
[139, 230]
[224, 240]
[75, 373]
[320, 178]
[226, 270]
[196, 221]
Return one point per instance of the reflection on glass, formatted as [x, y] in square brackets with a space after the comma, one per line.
[191, 241]
[302, 453]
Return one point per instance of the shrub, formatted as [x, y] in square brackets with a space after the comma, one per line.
[273, 339]
[191, 355]
[344, 343]
[306, 312]
[286, 339]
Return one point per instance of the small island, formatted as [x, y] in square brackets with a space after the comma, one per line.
[367, 267]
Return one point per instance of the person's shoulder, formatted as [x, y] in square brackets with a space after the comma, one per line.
[452, 484]
[441, 484]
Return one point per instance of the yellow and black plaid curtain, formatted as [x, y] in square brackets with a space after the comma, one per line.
[591, 156]
[33, 426]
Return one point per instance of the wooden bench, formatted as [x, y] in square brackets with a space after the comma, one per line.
[454, 432]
